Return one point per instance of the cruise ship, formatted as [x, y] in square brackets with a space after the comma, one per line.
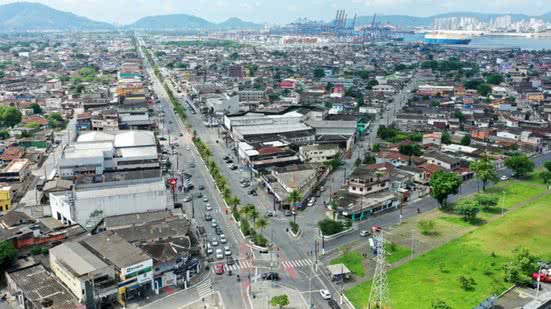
[449, 39]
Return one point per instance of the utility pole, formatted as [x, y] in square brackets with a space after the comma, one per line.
[379, 296]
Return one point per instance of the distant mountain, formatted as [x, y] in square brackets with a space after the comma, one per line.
[236, 23]
[26, 16]
[171, 22]
[414, 21]
[189, 22]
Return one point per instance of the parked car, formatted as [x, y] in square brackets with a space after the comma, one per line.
[325, 294]
[544, 276]
[188, 198]
[214, 223]
[504, 178]
[199, 195]
[209, 249]
[192, 165]
[287, 213]
[208, 207]
[219, 269]
[270, 276]
[269, 213]
[205, 199]
[245, 185]
[223, 239]
[188, 148]
[201, 187]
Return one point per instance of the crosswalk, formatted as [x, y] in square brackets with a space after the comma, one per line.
[236, 266]
[205, 288]
[296, 263]
[240, 265]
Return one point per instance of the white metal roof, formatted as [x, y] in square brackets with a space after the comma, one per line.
[134, 139]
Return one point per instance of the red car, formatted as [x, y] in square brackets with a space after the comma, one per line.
[219, 269]
[542, 276]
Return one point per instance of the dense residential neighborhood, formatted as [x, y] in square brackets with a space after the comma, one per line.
[237, 169]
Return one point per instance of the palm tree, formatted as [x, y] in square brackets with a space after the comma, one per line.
[295, 197]
[333, 206]
[261, 224]
[234, 201]
[253, 214]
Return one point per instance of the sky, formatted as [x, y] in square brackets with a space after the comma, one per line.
[283, 11]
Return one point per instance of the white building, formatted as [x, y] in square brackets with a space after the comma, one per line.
[96, 152]
[89, 203]
[318, 153]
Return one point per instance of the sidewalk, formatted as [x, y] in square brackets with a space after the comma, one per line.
[212, 301]
[263, 291]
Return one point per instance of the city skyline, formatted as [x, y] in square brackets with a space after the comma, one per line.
[261, 11]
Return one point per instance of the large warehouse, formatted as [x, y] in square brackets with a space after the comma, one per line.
[88, 204]
[97, 152]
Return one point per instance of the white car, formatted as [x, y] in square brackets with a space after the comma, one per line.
[504, 178]
[227, 251]
[209, 249]
[188, 148]
[325, 294]
[219, 254]
[223, 239]
[214, 242]
[214, 223]
[209, 208]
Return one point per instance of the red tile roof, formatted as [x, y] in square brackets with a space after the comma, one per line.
[12, 153]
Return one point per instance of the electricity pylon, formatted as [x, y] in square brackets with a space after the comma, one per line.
[379, 296]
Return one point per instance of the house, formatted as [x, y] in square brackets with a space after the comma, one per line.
[441, 159]
[81, 270]
[364, 181]
[28, 286]
[11, 153]
[16, 171]
[395, 158]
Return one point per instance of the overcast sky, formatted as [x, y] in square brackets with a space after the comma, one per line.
[283, 11]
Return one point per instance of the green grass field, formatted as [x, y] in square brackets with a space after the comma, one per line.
[353, 260]
[396, 253]
[435, 274]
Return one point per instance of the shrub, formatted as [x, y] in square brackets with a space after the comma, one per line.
[486, 200]
[468, 209]
[330, 227]
[36, 250]
[426, 227]
[466, 282]
[260, 240]
[294, 227]
[245, 227]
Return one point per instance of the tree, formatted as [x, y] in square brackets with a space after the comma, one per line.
[485, 171]
[261, 224]
[446, 138]
[443, 184]
[234, 201]
[520, 164]
[335, 162]
[547, 165]
[520, 268]
[372, 83]
[2, 74]
[4, 134]
[486, 201]
[280, 301]
[411, 150]
[358, 162]
[546, 176]
[9, 116]
[319, 73]
[484, 90]
[468, 209]
[376, 148]
[466, 140]
[36, 108]
[369, 159]
[363, 74]
[7, 254]
[295, 197]
[495, 79]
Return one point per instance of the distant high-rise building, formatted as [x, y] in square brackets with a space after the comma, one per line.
[503, 22]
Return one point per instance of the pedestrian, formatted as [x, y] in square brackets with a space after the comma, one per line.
[418, 210]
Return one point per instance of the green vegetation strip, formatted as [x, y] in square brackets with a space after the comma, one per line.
[353, 260]
[478, 255]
